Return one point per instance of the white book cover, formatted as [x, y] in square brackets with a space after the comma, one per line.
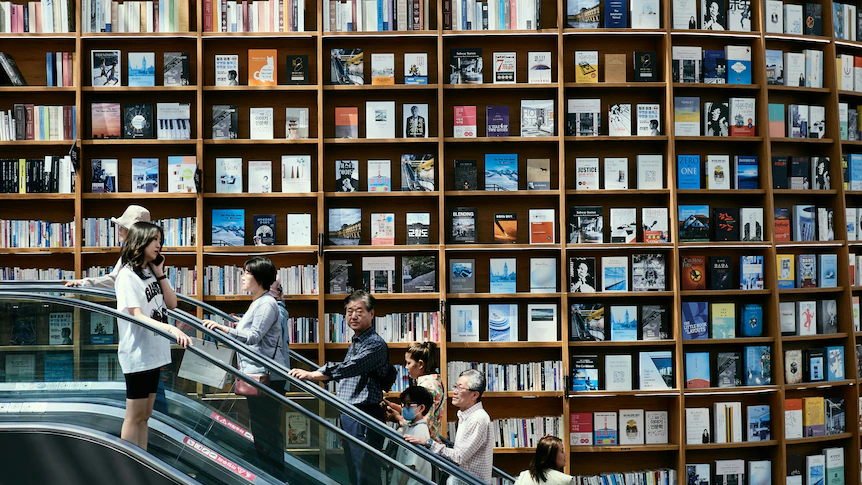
[615, 273]
[587, 173]
[181, 174]
[834, 458]
[415, 68]
[620, 119]
[299, 229]
[751, 224]
[813, 68]
[817, 120]
[792, 423]
[382, 68]
[656, 425]
[382, 229]
[650, 172]
[537, 117]
[378, 273]
[794, 69]
[60, 328]
[690, 61]
[646, 14]
[587, 114]
[728, 422]
[260, 123]
[504, 67]
[415, 120]
[718, 173]
[296, 123]
[296, 174]
[543, 275]
[654, 223]
[259, 177]
[465, 323]
[857, 77]
[697, 427]
[730, 471]
[648, 119]
[684, 14]
[806, 317]
[173, 121]
[20, 367]
[145, 175]
[624, 225]
[228, 175]
[539, 69]
[616, 173]
[815, 470]
[793, 18]
[542, 322]
[774, 19]
[380, 119]
[632, 430]
[106, 68]
[618, 372]
[846, 75]
[227, 70]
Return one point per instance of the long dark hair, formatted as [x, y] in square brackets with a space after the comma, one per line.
[141, 234]
[546, 457]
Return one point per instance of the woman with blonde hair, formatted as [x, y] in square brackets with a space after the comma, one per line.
[421, 364]
[547, 464]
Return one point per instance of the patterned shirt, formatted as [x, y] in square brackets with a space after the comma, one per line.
[474, 445]
[432, 383]
[367, 354]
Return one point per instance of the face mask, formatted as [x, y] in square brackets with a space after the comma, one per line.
[409, 413]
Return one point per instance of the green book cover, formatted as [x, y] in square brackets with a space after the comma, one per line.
[723, 320]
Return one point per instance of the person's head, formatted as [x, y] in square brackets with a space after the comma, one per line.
[421, 359]
[713, 9]
[275, 288]
[359, 311]
[143, 244]
[468, 389]
[583, 271]
[231, 74]
[550, 454]
[416, 401]
[414, 110]
[133, 214]
[66, 332]
[258, 274]
[653, 124]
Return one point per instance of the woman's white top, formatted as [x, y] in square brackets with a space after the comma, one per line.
[141, 348]
[552, 477]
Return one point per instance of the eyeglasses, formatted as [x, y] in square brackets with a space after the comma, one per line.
[457, 388]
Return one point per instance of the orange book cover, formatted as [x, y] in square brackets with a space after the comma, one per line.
[347, 122]
[262, 67]
[542, 226]
[693, 273]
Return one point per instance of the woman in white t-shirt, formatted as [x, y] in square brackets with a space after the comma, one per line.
[260, 329]
[143, 292]
[546, 466]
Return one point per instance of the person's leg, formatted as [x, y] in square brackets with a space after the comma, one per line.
[353, 454]
[135, 422]
[371, 468]
[264, 415]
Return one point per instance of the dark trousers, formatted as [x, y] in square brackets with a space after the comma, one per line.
[363, 469]
[264, 414]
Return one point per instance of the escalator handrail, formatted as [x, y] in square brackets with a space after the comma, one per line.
[104, 439]
[314, 390]
[94, 307]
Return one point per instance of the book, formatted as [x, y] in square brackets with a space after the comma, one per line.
[728, 422]
[751, 219]
[344, 227]
[726, 225]
[697, 426]
[586, 66]
[262, 67]
[742, 114]
[105, 120]
[464, 123]
[228, 175]
[465, 66]
[20, 367]
[654, 225]
[645, 14]
[656, 424]
[618, 372]
[695, 320]
[346, 122]
[806, 315]
[648, 272]
[138, 121]
[505, 227]
[501, 172]
[615, 273]
[717, 119]
[722, 320]
[624, 322]
[686, 116]
[105, 68]
[537, 117]
[259, 177]
[751, 321]
[226, 70]
[466, 177]
[684, 15]
[645, 66]
[587, 322]
[261, 123]
[341, 276]
[693, 222]
[181, 173]
[299, 229]
[693, 269]
[806, 271]
[581, 428]
[382, 229]
[415, 68]
[654, 322]
[101, 329]
[382, 69]
[585, 373]
[774, 68]
[542, 322]
[656, 370]
[538, 174]
[347, 66]
[58, 367]
[582, 275]
[105, 175]
[347, 176]
[586, 225]
[729, 369]
[504, 68]
[620, 119]
[379, 176]
[605, 428]
[687, 64]
[738, 60]
[296, 123]
[225, 122]
[650, 172]
[380, 119]
[751, 272]
[419, 275]
[813, 422]
[583, 117]
[616, 173]
[503, 275]
[757, 365]
[295, 173]
[297, 69]
[297, 430]
[714, 67]
[623, 225]
[228, 227]
[417, 172]
[465, 323]
[60, 326]
[463, 224]
[834, 363]
[720, 273]
[730, 471]
[378, 274]
[586, 173]
[698, 473]
[415, 120]
[418, 228]
[648, 119]
[264, 229]
[462, 276]
[542, 226]
[502, 322]
[717, 173]
[539, 69]
[697, 370]
[497, 121]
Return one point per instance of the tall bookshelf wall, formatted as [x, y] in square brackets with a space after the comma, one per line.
[322, 97]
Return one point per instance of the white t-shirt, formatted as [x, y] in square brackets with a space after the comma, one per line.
[552, 477]
[407, 458]
[140, 348]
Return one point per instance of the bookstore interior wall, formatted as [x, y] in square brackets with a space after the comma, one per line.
[652, 208]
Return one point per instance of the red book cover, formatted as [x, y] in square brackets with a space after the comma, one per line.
[28, 129]
[465, 122]
[38, 16]
[208, 15]
[20, 9]
[347, 122]
[246, 24]
[581, 429]
[67, 122]
[13, 19]
[156, 17]
[782, 224]
[67, 69]
[693, 273]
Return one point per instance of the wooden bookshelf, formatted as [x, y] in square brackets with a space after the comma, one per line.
[321, 97]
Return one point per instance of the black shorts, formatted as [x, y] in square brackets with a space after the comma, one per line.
[139, 385]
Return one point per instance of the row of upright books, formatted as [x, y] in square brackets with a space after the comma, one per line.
[392, 327]
[16, 273]
[376, 15]
[226, 16]
[636, 427]
[101, 232]
[43, 17]
[51, 174]
[135, 16]
[527, 376]
[295, 280]
[36, 234]
[38, 122]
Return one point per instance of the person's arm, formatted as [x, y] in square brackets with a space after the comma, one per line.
[363, 362]
[182, 339]
[167, 290]
[468, 443]
[262, 319]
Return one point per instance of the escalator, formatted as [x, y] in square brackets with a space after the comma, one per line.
[205, 432]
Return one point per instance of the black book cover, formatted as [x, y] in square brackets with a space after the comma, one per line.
[11, 70]
[654, 323]
[341, 276]
[466, 175]
[465, 66]
[506, 227]
[176, 69]
[726, 224]
[815, 365]
[813, 24]
[794, 464]
[835, 415]
[225, 122]
[800, 168]
[138, 121]
[297, 70]
[418, 228]
[779, 173]
[582, 275]
[586, 225]
[729, 366]
[645, 63]
[463, 220]
[587, 322]
[264, 230]
[720, 273]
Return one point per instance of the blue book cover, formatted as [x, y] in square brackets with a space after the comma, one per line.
[228, 227]
[828, 268]
[264, 230]
[696, 370]
[835, 363]
[688, 172]
[759, 423]
[695, 320]
[501, 172]
[714, 67]
[503, 275]
[758, 365]
[739, 69]
[142, 69]
[49, 61]
[751, 273]
[751, 324]
[344, 226]
[855, 171]
[503, 322]
[624, 322]
[747, 172]
[58, 367]
[616, 14]
[693, 222]
[585, 373]
[497, 120]
[581, 14]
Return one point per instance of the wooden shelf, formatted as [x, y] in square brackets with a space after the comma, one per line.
[805, 291]
[393, 296]
[731, 446]
[500, 247]
[66, 143]
[724, 244]
[618, 246]
[459, 87]
[713, 33]
[138, 35]
[275, 141]
[362, 141]
[37, 89]
[798, 38]
[407, 247]
[345, 345]
[140, 195]
[623, 448]
[723, 193]
[503, 139]
[635, 85]
[394, 193]
[138, 89]
[732, 390]
[228, 35]
[655, 32]
[825, 141]
[806, 338]
[521, 394]
[137, 141]
[258, 249]
[804, 192]
[605, 138]
[408, 33]
[819, 439]
[249, 298]
[619, 294]
[513, 32]
[820, 385]
[270, 195]
[622, 343]
[637, 393]
[730, 341]
[501, 296]
[36, 348]
[501, 193]
[25, 251]
[809, 244]
[717, 87]
[380, 87]
[280, 87]
[619, 192]
[502, 345]
[720, 139]
[699, 293]
[37, 196]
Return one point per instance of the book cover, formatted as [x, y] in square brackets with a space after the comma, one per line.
[716, 121]
[505, 227]
[105, 68]
[379, 176]
[418, 228]
[806, 271]
[174, 121]
[620, 119]
[58, 367]
[347, 66]
[295, 173]
[501, 172]
[464, 122]
[714, 67]
[605, 425]
[344, 226]
[228, 227]
[138, 121]
[543, 275]
[465, 66]
[751, 272]
[296, 123]
[686, 116]
[698, 473]
[60, 328]
[347, 122]
[582, 14]
[654, 225]
[713, 15]
[648, 119]
[176, 69]
[537, 117]
[738, 61]
[466, 177]
[502, 322]
[497, 121]
[539, 69]
[697, 426]
[181, 173]
[722, 320]
[624, 323]
[380, 119]
[225, 122]
[105, 175]
[648, 272]
[618, 372]
[101, 329]
[504, 67]
[729, 369]
[378, 274]
[463, 223]
[585, 373]
[227, 70]
[645, 66]
[20, 367]
[717, 173]
[757, 365]
[383, 229]
[542, 226]
[695, 318]
[105, 121]
[587, 322]
[583, 117]
[297, 69]
[503, 275]
[262, 69]
[693, 222]
[264, 227]
[656, 370]
[615, 273]
[693, 268]
[299, 229]
[465, 323]
[720, 273]
[259, 176]
[417, 172]
[415, 68]
[759, 423]
[347, 176]
[261, 123]
[582, 275]
[726, 224]
[586, 225]
[656, 424]
[751, 321]
[835, 363]
[542, 322]
[538, 174]
[581, 429]
[654, 322]
[586, 173]
[382, 69]
[697, 370]
[415, 120]
[751, 219]
[228, 175]
[341, 276]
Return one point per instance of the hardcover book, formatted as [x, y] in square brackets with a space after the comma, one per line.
[722, 320]
[624, 322]
[259, 177]
[586, 225]
[501, 172]
[505, 227]
[654, 222]
[623, 225]
[347, 122]
[656, 370]
[585, 373]
[176, 69]
[227, 70]
[262, 69]
[539, 67]
[105, 68]
[648, 272]
[105, 175]
[415, 120]
[586, 173]
[751, 321]
[417, 172]
[344, 226]
[465, 66]
[382, 69]
[464, 123]
[299, 229]
[379, 176]
[620, 119]
[537, 117]
[145, 174]
[538, 174]
[225, 122]
[729, 367]
[142, 69]
[341, 276]
[697, 374]
[296, 123]
[648, 119]
[618, 373]
[720, 273]
[503, 275]
[463, 224]
[380, 119]
[686, 116]
[105, 120]
[378, 274]
[542, 322]
[583, 117]
[543, 275]
[542, 226]
[228, 227]
[347, 176]
[751, 272]
[295, 174]
[726, 223]
[418, 228]
[264, 229]
[717, 119]
[616, 173]
[347, 67]
[587, 322]
[695, 318]
[586, 66]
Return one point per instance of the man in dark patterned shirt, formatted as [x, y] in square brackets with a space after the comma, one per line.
[367, 360]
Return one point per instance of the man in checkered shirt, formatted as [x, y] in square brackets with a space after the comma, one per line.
[367, 357]
[474, 441]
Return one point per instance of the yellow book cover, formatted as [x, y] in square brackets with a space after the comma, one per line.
[262, 67]
[382, 69]
[813, 423]
[723, 320]
[586, 66]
